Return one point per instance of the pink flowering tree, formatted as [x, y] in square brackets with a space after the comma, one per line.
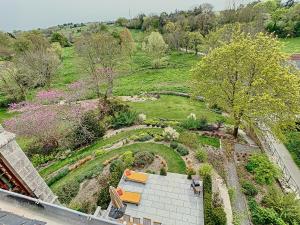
[48, 126]
[50, 96]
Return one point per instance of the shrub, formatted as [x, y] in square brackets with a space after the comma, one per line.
[190, 123]
[158, 138]
[213, 211]
[58, 176]
[128, 159]
[141, 118]
[39, 159]
[203, 123]
[249, 189]
[124, 119]
[100, 152]
[143, 137]
[170, 134]
[141, 159]
[264, 170]
[88, 130]
[117, 166]
[68, 192]
[205, 170]
[190, 171]
[173, 144]
[163, 171]
[286, 205]
[85, 206]
[183, 151]
[201, 155]
[261, 215]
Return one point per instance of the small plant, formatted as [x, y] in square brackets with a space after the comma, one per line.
[158, 138]
[124, 119]
[117, 166]
[174, 144]
[163, 171]
[150, 171]
[182, 150]
[205, 170]
[142, 118]
[143, 137]
[201, 155]
[141, 159]
[232, 194]
[128, 159]
[249, 189]
[264, 170]
[170, 134]
[100, 152]
[203, 123]
[190, 123]
[190, 171]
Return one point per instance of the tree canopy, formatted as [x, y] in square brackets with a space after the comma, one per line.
[251, 80]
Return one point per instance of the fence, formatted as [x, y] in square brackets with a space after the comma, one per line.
[287, 179]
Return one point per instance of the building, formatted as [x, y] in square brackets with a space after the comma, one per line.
[17, 173]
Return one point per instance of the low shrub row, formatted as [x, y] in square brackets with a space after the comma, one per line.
[183, 151]
[213, 211]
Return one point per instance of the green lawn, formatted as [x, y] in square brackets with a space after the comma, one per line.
[291, 45]
[4, 115]
[174, 161]
[92, 148]
[70, 69]
[174, 108]
[215, 142]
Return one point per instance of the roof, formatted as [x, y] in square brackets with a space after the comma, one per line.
[166, 199]
[7, 218]
[18, 209]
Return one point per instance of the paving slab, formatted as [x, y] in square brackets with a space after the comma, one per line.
[166, 199]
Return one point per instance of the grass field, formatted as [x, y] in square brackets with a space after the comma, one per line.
[4, 115]
[174, 108]
[174, 161]
[291, 45]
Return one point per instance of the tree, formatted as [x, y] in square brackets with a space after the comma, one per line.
[251, 80]
[32, 40]
[40, 64]
[5, 45]
[195, 39]
[14, 84]
[56, 47]
[101, 54]
[156, 47]
[127, 44]
[60, 38]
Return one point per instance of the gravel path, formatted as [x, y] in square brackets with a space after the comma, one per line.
[239, 203]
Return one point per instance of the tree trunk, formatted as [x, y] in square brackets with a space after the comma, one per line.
[235, 131]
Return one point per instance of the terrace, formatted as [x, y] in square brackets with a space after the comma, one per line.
[168, 200]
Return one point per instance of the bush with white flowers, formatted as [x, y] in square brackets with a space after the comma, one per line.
[170, 134]
[142, 117]
[192, 116]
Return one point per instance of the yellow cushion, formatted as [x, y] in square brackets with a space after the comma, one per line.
[131, 197]
[137, 177]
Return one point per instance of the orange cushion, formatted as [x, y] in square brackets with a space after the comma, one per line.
[120, 191]
[127, 173]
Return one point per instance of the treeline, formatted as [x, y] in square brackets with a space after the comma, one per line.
[282, 19]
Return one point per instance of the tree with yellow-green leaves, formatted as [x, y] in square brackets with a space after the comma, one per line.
[251, 80]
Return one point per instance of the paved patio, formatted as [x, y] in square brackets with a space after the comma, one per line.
[166, 199]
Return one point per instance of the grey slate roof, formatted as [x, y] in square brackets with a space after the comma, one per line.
[7, 218]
